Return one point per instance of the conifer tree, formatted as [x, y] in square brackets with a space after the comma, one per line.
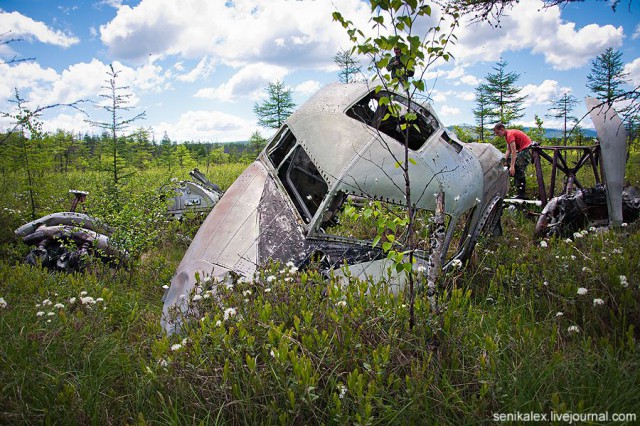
[562, 109]
[483, 113]
[503, 95]
[607, 76]
[278, 106]
[349, 67]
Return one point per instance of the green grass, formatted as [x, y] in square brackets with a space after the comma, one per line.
[302, 350]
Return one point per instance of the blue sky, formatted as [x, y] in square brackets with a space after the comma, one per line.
[198, 66]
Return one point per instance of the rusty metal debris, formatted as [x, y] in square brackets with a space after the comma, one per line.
[197, 197]
[341, 146]
[63, 240]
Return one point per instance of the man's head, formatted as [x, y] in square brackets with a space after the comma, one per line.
[499, 129]
[397, 51]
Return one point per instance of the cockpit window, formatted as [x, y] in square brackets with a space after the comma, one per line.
[298, 174]
[370, 111]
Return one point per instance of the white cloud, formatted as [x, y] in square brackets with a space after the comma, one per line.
[636, 33]
[277, 32]
[633, 69]
[447, 111]
[25, 27]
[205, 67]
[207, 126]
[308, 87]
[543, 32]
[249, 82]
[542, 94]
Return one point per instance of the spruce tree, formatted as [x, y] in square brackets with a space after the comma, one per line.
[562, 109]
[607, 76]
[503, 94]
[349, 67]
[483, 113]
[278, 106]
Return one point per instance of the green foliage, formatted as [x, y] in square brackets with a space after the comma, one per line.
[607, 76]
[503, 95]
[278, 106]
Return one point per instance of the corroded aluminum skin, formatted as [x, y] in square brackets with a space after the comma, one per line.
[256, 220]
[613, 143]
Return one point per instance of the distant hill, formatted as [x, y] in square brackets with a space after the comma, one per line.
[548, 133]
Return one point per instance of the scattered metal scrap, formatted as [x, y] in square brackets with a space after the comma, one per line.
[605, 204]
[197, 197]
[63, 240]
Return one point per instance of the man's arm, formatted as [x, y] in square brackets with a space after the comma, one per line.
[511, 147]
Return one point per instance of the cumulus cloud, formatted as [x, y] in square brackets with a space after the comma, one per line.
[542, 94]
[543, 32]
[636, 33]
[633, 70]
[201, 71]
[298, 33]
[308, 87]
[448, 111]
[249, 82]
[25, 27]
[207, 126]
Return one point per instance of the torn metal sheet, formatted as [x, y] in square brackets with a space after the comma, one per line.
[341, 146]
[196, 197]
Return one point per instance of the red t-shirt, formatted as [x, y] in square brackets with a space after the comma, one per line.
[519, 137]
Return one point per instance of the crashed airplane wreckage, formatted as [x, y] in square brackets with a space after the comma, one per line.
[62, 240]
[608, 204]
[198, 197]
[336, 146]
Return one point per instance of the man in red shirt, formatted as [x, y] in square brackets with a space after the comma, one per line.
[518, 151]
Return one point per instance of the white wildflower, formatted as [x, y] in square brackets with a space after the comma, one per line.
[184, 341]
[543, 244]
[288, 279]
[229, 312]
[243, 280]
[597, 302]
[624, 224]
[421, 268]
[271, 278]
[267, 290]
[582, 291]
[48, 320]
[207, 295]
[58, 306]
[37, 305]
[586, 269]
[176, 346]
[50, 314]
[568, 241]
[616, 251]
[456, 263]
[293, 270]
[559, 314]
[165, 287]
[289, 264]
[163, 362]
[573, 329]
[39, 313]
[584, 232]
[623, 281]
[196, 297]
[72, 300]
[343, 390]
[592, 229]
[573, 257]
[246, 293]
[87, 300]
[3, 303]
[341, 303]
[272, 353]
[229, 286]
[47, 302]
[577, 235]
[99, 300]
[546, 283]
[218, 323]
[83, 293]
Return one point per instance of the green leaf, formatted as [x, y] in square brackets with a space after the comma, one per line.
[412, 161]
[376, 240]
[386, 246]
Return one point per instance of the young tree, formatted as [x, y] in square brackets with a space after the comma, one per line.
[483, 113]
[256, 144]
[349, 67]
[607, 76]
[503, 95]
[562, 109]
[395, 23]
[278, 106]
[117, 103]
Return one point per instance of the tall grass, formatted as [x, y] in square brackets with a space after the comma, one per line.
[516, 333]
